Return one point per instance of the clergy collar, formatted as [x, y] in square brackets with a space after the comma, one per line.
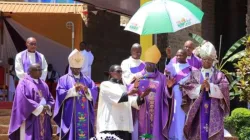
[189, 57]
[77, 76]
[207, 70]
[36, 81]
[181, 63]
[116, 81]
[30, 52]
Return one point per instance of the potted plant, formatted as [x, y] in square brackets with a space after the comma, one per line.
[146, 136]
[239, 123]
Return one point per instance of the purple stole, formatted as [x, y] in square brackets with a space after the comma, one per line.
[138, 68]
[26, 61]
[194, 61]
[81, 116]
[204, 113]
[182, 74]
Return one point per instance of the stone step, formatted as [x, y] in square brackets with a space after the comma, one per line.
[5, 137]
[5, 120]
[5, 112]
[4, 129]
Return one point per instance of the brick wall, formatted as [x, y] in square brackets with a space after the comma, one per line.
[208, 22]
[111, 44]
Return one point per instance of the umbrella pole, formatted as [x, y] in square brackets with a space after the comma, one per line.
[155, 39]
[155, 43]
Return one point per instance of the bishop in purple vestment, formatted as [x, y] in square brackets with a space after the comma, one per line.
[206, 99]
[153, 114]
[192, 60]
[75, 100]
[31, 110]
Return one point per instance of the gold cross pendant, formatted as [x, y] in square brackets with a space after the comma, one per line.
[40, 93]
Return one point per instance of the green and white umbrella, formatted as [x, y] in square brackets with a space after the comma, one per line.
[164, 16]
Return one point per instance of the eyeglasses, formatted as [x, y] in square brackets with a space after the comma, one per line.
[118, 71]
[32, 43]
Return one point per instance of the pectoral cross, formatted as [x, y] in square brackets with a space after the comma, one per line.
[40, 93]
[206, 107]
[206, 128]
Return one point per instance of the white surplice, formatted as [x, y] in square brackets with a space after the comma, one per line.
[127, 75]
[32, 57]
[111, 115]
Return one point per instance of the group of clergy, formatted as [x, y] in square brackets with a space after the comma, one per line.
[186, 102]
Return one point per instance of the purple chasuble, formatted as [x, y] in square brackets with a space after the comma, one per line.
[27, 98]
[75, 115]
[205, 114]
[153, 114]
[26, 60]
[194, 61]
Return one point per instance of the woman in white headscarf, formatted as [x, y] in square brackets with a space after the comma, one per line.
[206, 99]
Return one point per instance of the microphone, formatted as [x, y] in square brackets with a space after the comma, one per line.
[207, 78]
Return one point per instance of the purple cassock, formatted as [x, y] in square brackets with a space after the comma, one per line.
[153, 114]
[26, 60]
[75, 115]
[194, 61]
[27, 98]
[205, 114]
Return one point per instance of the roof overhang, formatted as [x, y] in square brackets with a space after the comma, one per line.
[123, 7]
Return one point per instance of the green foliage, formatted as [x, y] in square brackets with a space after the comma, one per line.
[147, 136]
[196, 37]
[243, 74]
[239, 123]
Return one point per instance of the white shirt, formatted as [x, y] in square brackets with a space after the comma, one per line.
[127, 75]
[111, 115]
[90, 62]
[19, 65]
[85, 67]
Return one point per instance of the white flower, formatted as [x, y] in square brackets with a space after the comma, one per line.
[107, 136]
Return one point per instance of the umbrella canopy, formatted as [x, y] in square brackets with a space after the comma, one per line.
[164, 16]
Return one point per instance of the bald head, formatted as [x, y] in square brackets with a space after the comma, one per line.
[136, 51]
[35, 71]
[189, 46]
[181, 56]
[31, 44]
[30, 39]
[33, 66]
